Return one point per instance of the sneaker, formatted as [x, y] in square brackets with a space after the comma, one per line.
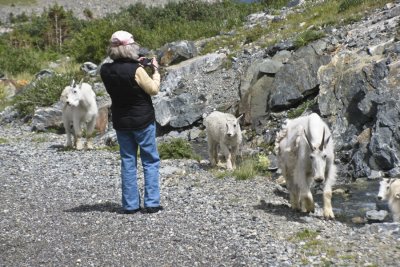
[152, 209]
[131, 211]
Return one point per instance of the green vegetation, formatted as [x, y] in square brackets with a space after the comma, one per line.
[298, 111]
[305, 235]
[307, 37]
[177, 148]
[39, 139]
[3, 140]
[44, 92]
[3, 97]
[248, 168]
[16, 2]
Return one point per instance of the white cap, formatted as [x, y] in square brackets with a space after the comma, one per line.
[121, 38]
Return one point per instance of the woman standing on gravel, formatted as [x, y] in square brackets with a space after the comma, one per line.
[133, 117]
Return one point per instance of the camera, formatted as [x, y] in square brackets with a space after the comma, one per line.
[146, 62]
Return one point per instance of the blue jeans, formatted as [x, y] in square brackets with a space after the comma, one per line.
[129, 142]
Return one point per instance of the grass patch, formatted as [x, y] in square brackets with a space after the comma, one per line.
[247, 168]
[177, 148]
[307, 37]
[306, 234]
[298, 111]
[3, 140]
[114, 148]
[17, 2]
[39, 139]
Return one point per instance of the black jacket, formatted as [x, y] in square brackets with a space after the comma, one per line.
[131, 107]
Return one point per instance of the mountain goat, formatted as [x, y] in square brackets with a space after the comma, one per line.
[305, 154]
[79, 108]
[389, 189]
[223, 130]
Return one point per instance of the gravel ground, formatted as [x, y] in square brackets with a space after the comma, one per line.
[62, 208]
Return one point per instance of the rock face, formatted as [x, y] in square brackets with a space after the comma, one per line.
[359, 95]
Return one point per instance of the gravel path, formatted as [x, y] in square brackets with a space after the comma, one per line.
[61, 208]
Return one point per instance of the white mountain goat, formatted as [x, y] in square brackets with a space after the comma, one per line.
[223, 130]
[389, 189]
[80, 108]
[305, 153]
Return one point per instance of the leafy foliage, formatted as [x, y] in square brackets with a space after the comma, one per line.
[177, 148]
[44, 92]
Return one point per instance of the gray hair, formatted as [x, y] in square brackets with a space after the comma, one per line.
[124, 51]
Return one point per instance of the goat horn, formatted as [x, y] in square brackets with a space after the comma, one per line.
[322, 141]
[73, 83]
[308, 141]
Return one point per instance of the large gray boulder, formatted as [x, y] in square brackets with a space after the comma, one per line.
[192, 88]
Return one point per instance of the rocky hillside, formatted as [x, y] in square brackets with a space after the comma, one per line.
[62, 207]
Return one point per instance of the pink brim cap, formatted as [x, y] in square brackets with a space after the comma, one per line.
[121, 38]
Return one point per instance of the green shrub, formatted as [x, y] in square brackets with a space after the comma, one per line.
[44, 92]
[262, 163]
[347, 4]
[153, 27]
[177, 148]
[307, 37]
[18, 60]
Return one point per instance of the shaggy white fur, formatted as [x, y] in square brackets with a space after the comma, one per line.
[80, 109]
[305, 153]
[223, 130]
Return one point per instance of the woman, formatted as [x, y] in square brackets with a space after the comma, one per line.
[133, 117]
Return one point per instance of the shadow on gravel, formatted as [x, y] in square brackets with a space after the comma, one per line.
[281, 210]
[101, 207]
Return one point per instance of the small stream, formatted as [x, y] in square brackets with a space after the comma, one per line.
[358, 198]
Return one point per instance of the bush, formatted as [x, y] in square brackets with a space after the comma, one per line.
[42, 93]
[177, 149]
[18, 60]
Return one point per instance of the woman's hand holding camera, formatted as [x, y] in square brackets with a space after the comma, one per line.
[154, 63]
[149, 62]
